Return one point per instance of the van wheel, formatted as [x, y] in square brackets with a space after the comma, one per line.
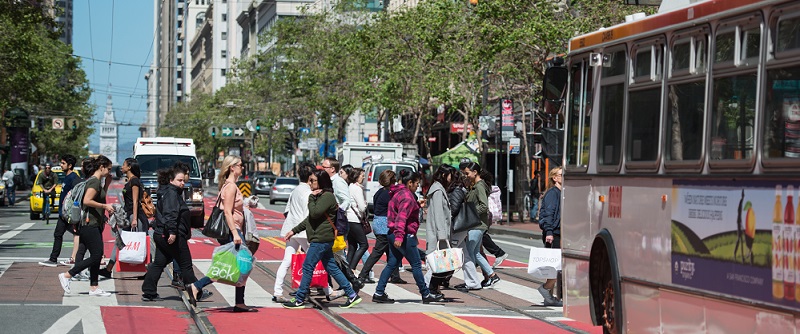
[34, 216]
[271, 202]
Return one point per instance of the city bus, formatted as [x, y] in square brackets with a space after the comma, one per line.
[681, 158]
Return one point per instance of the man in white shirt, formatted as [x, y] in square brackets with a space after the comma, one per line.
[340, 188]
[8, 176]
[296, 211]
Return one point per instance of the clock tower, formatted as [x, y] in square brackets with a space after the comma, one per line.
[109, 133]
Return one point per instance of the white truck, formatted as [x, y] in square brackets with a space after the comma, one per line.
[156, 153]
[355, 153]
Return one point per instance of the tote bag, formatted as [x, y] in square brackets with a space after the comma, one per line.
[444, 260]
[135, 250]
[217, 226]
[544, 263]
[318, 280]
[467, 218]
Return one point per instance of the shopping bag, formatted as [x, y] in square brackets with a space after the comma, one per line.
[224, 265]
[320, 278]
[130, 267]
[444, 260]
[544, 263]
[135, 250]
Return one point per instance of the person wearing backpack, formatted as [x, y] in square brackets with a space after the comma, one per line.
[70, 180]
[496, 215]
[94, 200]
[550, 223]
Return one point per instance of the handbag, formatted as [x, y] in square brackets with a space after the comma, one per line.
[444, 260]
[544, 263]
[135, 250]
[363, 220]
[224, 265]
[467, 218]
[338, 241]
[216, 226]
[319, 278]
[342, 224]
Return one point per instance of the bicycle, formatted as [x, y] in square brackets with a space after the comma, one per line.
[47, 206]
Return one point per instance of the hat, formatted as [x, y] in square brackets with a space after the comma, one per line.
[47, 165]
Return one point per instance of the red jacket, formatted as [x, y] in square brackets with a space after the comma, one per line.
[403, 214]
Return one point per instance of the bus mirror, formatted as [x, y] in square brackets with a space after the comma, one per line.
[595, 59]
[555, 80]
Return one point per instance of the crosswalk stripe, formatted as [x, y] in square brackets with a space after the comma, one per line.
[461, 325]
[10, 234]
[88, 307]
[255, 295]
[276, 242]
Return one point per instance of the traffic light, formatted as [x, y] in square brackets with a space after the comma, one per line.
[213, 132]
[258, 126]
[288, 145]
[40, 124]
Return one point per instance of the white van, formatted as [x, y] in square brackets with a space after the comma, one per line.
[156, 153]
[375, 165]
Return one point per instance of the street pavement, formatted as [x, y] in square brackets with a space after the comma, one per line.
[32, 301]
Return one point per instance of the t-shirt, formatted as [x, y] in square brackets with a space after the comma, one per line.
[380, 202]
[47, 181]
[69, 182]
[127, 194]
[97, 216]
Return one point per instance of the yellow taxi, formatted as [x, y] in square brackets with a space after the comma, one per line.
[37, 203]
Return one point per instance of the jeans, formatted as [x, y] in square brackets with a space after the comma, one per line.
[409, 250]
[356, 244]
[93, 239]
[201, 283]
[321, 251]
[381, 247]
[46, 199]
[534, 207]
[291, 247]
[471, 257]
[166, 252]
[58, 238]
[11, 195]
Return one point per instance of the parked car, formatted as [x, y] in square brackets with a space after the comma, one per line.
[282, 188]
[254, 175]
[263, 184]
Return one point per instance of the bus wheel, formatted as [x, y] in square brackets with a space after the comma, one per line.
[609, 311]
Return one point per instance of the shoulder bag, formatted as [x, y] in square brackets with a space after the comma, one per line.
[217, 226]
[338, 242]
[363, 220]
[467, 218]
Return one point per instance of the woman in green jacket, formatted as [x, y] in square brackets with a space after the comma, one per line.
[319, 227]
[479, 195]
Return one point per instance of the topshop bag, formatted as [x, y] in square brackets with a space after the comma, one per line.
[467, 218]
[216, 226]
[544, 263]
[444, 260]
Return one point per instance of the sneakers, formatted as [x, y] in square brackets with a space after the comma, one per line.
[294, 304]
[465, 289]
[80, 277]
[498, 261]
[351, 301]
[99, 293]
[279, 299]
[104, 273]
[397, 280]
[177, 285]
[64, 282]
[68, 263]
[549, 300]
[335, 295]
[152, 298]
[48, 263]
[491, 281]
[205, 295]
[553, 303]
[432, 298]
[382, 299]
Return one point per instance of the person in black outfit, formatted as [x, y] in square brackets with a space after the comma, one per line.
[536, 191]
[68, 162]
[380, 228]
[170, 233]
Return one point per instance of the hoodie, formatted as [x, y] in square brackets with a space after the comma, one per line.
[403, 214]
[172, 212]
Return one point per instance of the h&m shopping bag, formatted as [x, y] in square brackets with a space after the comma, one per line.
[544, 263]
[131, 267]
[135, 250]
[444, 260]
[320, 278]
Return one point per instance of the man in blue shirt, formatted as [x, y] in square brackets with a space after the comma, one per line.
[70, 180]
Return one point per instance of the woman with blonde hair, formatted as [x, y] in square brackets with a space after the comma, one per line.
[232, 205]
[550, 223]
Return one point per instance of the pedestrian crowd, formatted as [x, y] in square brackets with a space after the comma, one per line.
[325, 217]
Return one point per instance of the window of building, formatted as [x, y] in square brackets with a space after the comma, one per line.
[200, 18]
[180, 11]
[222, 71]
[224, 35]
[224, 17]
[224, 54]
[180, 48]
[180, 23]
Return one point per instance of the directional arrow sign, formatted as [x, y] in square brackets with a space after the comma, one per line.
[238, 132]
[227, 132]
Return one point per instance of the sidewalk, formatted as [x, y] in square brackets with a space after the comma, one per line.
[517, 229]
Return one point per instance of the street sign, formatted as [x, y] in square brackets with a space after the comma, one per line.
[58, 124]
[227, 131]
[507, 109]
[213, 131]
[238, 132]
[514, 145]
[72, 123]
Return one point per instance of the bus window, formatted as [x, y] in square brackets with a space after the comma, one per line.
[612, 95]
[788, 36]
[751, 42]
[725, 47]
[733, 116]
[684, 121]
[579, 113]
[782, 113]
[644, 110]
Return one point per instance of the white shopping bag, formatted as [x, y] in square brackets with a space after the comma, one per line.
[135, 250]
[444, 260]
[544, 263]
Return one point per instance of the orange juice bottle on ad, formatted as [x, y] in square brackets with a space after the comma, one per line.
[777, 238]
[788, 242]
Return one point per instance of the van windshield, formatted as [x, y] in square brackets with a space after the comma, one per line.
[150, 164]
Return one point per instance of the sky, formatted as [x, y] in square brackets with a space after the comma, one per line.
[120, 32]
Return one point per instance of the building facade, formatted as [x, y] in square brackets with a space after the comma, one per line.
[109, 132]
